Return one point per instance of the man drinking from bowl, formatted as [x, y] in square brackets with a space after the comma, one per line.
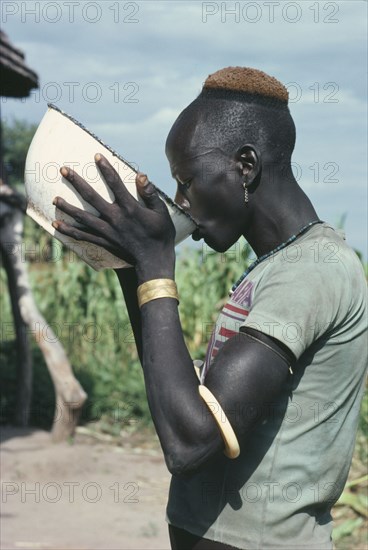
[260, 447]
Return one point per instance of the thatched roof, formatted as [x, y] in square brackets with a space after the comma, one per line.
[16, 79]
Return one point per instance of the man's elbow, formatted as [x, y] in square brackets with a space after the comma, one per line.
[180, 466]
[187, 460]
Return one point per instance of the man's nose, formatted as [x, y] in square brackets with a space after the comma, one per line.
[182, 201]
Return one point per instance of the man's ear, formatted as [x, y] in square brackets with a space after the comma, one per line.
[249, 160]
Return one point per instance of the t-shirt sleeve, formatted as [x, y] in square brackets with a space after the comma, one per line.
[295, 303]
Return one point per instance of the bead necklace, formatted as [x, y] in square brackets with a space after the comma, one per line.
[261, 258]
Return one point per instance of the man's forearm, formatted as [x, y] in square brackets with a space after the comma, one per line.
[128, 282]
[177, 409]
[187, 432]
[131, 278]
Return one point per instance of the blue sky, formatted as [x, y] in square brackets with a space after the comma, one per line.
[127, 69]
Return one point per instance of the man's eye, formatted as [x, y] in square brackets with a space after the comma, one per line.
[186, 184]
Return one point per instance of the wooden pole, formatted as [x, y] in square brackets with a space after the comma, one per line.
[70, 395]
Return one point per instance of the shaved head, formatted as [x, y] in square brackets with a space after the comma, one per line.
[237, 106]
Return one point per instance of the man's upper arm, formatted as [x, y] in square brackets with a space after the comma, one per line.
[296, 304]
[247, 374]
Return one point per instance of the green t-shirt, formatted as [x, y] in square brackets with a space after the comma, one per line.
[278, 493]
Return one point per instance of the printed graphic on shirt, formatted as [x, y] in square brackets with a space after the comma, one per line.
[229, 321]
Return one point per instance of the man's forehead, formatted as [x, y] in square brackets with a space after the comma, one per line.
[184, 159]
[190, 139]
[188, 134]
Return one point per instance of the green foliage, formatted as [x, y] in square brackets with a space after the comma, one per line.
[43, 398]
[351, 510]
[16, 138]
[86, 311]
[362, 437]
[346, 529]
[204, 279]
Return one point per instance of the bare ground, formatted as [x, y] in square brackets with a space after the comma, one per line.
[83, 495]
[97, 493]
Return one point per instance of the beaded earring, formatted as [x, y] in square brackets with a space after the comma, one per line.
[245, 187]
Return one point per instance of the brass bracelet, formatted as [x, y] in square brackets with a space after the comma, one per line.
[232, 449]
[157, 288]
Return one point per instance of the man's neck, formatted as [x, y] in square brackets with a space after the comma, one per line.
[279, 211]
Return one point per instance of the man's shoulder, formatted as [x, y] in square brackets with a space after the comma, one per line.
[319, 283]
[321, 256]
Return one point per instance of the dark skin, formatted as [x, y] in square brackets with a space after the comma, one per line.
[210, 187]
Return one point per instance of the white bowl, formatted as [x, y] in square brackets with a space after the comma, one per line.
[62, 141]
